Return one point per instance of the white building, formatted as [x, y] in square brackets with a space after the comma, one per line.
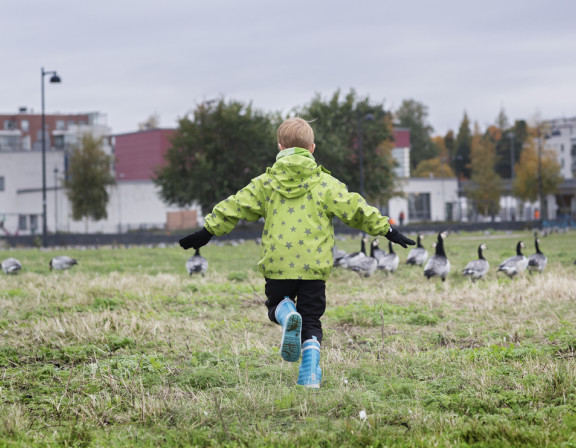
[134, 203]
[561, 138]
[427, 200]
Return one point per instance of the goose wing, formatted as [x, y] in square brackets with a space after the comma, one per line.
[537, 262]
[437, 265]
[417, 256]
[476, 269]
[364, 266]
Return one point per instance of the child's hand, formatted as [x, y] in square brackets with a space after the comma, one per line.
[396, 237]
[196, 239]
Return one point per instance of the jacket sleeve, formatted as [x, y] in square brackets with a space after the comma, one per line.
[248, 204]
[352, 210]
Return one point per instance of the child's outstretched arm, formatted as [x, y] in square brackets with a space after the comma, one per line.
[247, 204]
[355, 212]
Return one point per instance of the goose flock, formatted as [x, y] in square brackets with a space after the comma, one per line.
[438, 265]
[12, 266]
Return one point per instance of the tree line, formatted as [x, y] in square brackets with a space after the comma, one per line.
[221, 145]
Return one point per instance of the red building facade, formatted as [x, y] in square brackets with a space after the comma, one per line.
[138, 154]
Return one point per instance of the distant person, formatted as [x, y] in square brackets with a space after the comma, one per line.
[536, 214]
[298, 200]
[401, 218]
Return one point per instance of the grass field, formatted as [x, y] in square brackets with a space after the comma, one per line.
[127, 350]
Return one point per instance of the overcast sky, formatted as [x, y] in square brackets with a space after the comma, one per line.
[132, 59]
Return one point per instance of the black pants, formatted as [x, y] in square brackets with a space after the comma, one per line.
[310, 298]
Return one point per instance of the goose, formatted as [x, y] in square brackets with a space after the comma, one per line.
[516, 264]
[391, 260]
[418, 255]
[353, 257]
[62, 262]
[477, 269]
[438, 264]
[11, 266]
[337, 255]
[365, 266]
[197, 264]
[376, 252]
[537, 262]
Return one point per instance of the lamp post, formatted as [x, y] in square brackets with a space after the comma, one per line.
[511, 136]
[56, 199]
[367, 117]
[54, 79]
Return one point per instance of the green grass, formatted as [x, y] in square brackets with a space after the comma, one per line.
[126, 350]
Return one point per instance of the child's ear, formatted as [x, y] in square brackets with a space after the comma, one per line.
[312, 148]
[280, 147]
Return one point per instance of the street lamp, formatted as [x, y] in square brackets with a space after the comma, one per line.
[54, 79]
[367, 117]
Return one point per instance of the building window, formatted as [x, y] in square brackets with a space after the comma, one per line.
[9, 125]
[562, 147]
[22, 222]
[1, 183]
[419, 206]
[33, 223]
[60, 125]
[25, 125]
[59, 141]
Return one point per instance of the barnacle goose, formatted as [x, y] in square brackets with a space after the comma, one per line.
[537, 262]
[11, 266]
[516, 264]
[438, 264]
[391, 260]
[477, 269]
[377, 253]
[418, 255]
[62, 262]
[353, 257]
[196, 264]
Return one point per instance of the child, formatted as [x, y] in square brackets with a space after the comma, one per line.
[298, 200]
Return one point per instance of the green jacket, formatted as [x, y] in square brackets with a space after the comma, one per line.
[298, 199]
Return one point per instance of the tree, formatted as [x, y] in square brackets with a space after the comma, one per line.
[414, 115]
[486, 186]
[438, 166]
[336, 124]
[502, 119]
[215, 153]
[526, 184]
[152, 122]
[87, 180]
[450, 145]
[462, 149]
[514, 136]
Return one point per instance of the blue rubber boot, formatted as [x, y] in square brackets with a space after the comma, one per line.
[310, 373]
[291, 322]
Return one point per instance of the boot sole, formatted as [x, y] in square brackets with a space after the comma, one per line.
[291, 339]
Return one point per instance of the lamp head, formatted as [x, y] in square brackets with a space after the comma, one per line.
[55, 79]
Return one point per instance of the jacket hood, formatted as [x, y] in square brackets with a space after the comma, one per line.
[295, 172]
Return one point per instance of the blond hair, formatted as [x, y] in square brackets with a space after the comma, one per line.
[295, 132]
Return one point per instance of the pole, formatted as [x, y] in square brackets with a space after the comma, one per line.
[44, 226]
[360, 155]
[543, 210]
[56, 200]
[512, 172]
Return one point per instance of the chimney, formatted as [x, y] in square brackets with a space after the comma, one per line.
[23, 110]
